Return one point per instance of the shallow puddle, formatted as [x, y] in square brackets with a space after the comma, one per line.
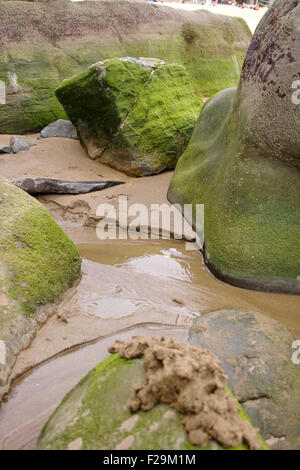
[164, 260]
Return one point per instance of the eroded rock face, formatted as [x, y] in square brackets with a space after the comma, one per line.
[33, 61]
[243, 163]
[256, 355]
[94, 415]
[136, 115]
[267, 98]
[37, 263]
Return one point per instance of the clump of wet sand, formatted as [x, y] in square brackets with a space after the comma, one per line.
[191, 381]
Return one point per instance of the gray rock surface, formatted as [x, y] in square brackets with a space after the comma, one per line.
[255, 352]
[19, 144]
[60, 128]
[55, 186]
[5, 149]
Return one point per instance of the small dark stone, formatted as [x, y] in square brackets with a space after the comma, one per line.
[19, 144]
[55, 186]
[5, 149]
[59, 128]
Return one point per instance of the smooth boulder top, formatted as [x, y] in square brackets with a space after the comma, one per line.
[135, 114]
[94, 415]
[144, 63]
[242, 162]
[59, 128]
[256, 355]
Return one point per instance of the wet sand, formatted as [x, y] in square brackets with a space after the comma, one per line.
[66, 159]
[170, 259]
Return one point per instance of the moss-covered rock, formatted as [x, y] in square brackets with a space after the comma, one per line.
[243, 163]
[42, 45]
[94, 415]
[137, 115]
[37, 263]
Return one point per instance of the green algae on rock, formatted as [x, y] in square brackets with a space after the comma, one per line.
[242, 162]
[34, 60]
[136, 115]
[94, 416]
[37, 263]
[192, 382]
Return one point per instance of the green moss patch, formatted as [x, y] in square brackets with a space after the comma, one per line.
[42, 46]
[38, 261]
[95, 411]
[137, 115]
[252, 225]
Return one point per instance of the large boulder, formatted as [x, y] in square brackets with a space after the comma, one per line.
[37, 263]
[94, 415]
[256, 355]
[73, 35]
[243, 163]
[136, 115]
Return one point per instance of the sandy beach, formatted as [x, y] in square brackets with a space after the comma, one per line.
[252, 17]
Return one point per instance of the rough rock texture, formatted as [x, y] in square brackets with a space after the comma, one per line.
[37, 263]
[243, 163]
[54, 186]
[136, 115]
[192, 382]
[59, 128]
[255, 352]
[94, 415]
[5, 149]
[19, 144]
[42, 45]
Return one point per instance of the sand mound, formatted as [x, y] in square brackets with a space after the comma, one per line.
[191, 381]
